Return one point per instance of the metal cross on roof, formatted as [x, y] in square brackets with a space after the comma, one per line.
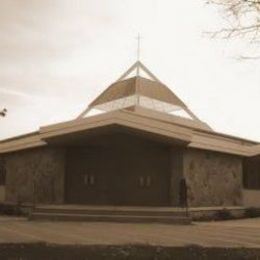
[138, 46]
[138, 52]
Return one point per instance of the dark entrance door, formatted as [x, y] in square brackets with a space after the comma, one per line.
[147, 176]
[135, 174]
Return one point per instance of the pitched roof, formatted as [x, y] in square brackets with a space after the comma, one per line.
[138, 86]
[191, 132]
[139, 91]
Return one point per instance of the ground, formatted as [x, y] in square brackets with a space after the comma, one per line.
[234, 233]
[226, 240]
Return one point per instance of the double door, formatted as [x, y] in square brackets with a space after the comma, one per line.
[118, 176]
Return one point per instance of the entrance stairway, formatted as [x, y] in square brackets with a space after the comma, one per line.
[120, 214]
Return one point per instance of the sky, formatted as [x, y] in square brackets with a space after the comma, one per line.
[56, 56]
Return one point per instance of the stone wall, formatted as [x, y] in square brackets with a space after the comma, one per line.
[213, 179]
[40, 169]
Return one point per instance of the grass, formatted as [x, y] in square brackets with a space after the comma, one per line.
[139, 251]
[10, 210]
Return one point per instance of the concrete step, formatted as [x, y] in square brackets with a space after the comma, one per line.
[110, 218]
[109, 211]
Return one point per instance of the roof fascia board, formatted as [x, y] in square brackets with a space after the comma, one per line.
[76, 128]
[224, 137]
[255, 150]
[77, 122]
[226, 146]
[18, 137]
[23, 143]
[244, 153]
[119, 118]
[165, 130]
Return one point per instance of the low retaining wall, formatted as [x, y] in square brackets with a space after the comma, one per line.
[217, 213]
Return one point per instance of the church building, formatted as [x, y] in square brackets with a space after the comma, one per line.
[134, 145]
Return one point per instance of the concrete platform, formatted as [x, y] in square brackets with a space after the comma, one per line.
[118, 214]
[198, 213]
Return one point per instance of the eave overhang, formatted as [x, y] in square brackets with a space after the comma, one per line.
[18, 144]
[255, 150]
[120, 118]
[160, 128]
[213, 142]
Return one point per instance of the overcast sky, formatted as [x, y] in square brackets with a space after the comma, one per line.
[57, 55]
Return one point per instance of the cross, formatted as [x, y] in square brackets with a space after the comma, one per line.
[138, 52]
[138, 46]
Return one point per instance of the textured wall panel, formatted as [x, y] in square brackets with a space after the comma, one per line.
[214, 179]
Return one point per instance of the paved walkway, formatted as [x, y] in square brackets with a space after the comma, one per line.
[235, 233]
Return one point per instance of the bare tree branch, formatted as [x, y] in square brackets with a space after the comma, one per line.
[243, 18]
[3, 112]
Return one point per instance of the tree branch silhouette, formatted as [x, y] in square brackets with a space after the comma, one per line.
[3, 112]
[243, 17]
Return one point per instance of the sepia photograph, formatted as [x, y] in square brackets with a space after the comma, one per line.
[130, 129]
